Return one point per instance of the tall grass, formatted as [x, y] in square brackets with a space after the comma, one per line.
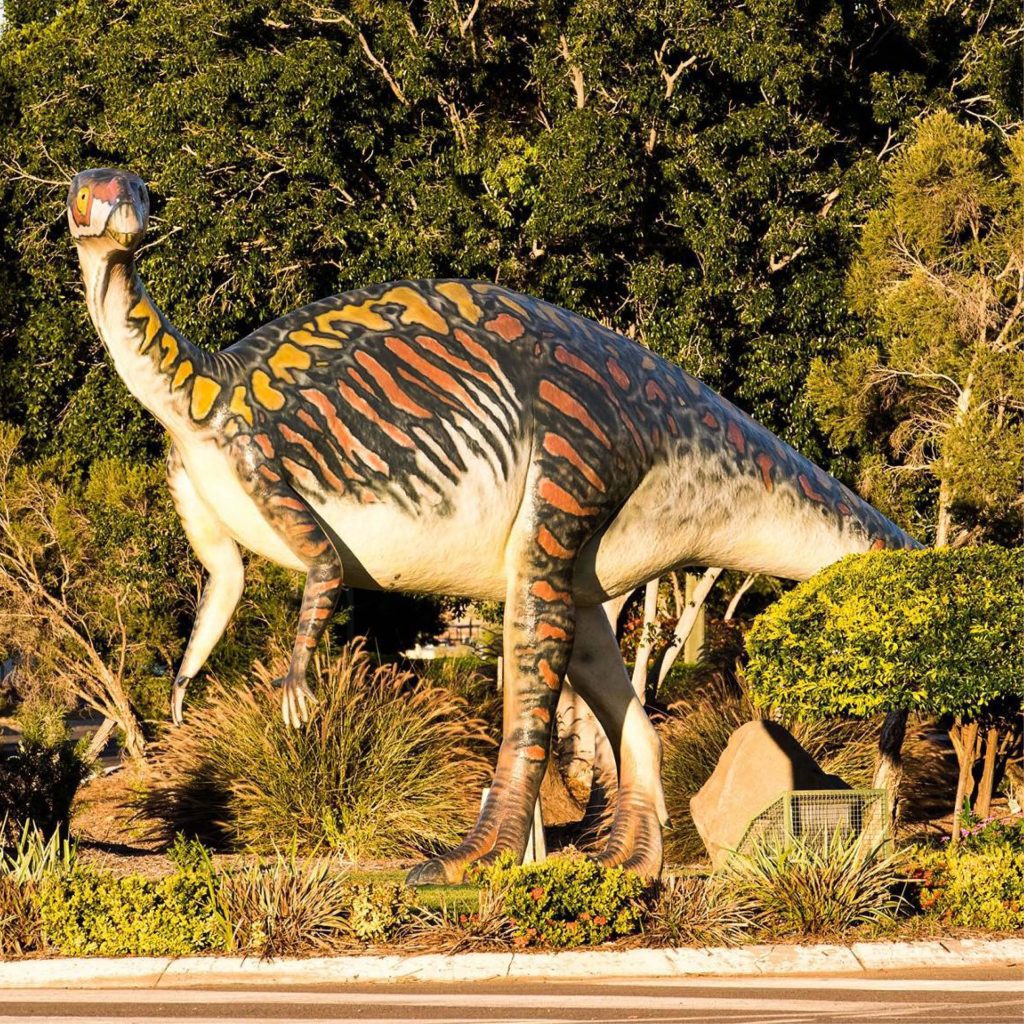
[386, 767]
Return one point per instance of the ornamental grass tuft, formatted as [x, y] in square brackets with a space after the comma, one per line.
[386, 767]
[817, 888]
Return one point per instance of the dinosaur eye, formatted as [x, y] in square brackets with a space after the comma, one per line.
[82, 200]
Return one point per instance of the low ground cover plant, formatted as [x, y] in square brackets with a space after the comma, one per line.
[567, 901]
[978, 883]
[814, 888]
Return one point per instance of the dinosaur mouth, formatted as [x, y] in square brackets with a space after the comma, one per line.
[124, 225]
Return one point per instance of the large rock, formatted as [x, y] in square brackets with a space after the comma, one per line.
[761, 761]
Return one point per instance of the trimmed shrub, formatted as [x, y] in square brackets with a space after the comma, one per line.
[86, 912]
[814, 889]
[567, 901]
[39, 779]
[384, 768]
[980, 883]
[939, 632]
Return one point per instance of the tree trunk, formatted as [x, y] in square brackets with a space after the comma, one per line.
[983, 804]
[646, 645]
[965, 742]
[686, 621]
[889, 767]
[737, 597]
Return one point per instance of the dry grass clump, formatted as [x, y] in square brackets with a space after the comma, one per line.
[690, 910]
[386, 767]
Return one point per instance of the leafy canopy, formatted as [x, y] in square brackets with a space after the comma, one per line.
[941, 632]
[688, 171]
[934, 403]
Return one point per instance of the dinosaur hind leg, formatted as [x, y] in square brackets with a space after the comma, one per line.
[538, 637]
[598, 674]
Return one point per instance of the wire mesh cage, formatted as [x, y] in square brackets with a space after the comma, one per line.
[814, 816]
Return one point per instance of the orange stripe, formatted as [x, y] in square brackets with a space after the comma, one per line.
[550, 544]
[505, 326]
[566, 404]
[548, 674]
[560, 498]
[265, 444]
[436, 374]
[361, 405]
[535, 752]
[557, 445]
[296, 438]
[618, 374]
[419, 382]
[474, 348]
[389, 386]
[654, 392]
[542, 715]
[545, 631]
[766, 465]
[543, 590]
[736, 438]
[433, 345]
[567, 358]
[809, 490]
[354, 448]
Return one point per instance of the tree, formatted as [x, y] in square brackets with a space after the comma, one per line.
[934, 406]
[935, 632]
[690, 172]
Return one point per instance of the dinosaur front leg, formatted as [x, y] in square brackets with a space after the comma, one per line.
[219, 554]
[598, 674]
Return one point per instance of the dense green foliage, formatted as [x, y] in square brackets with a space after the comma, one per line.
[940, 632]
[567, 901]
[980, 883]
[386, 767]
[933, 404]
[690, 171]
[88, 912]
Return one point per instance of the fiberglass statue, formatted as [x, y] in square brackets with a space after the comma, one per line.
[450, 437]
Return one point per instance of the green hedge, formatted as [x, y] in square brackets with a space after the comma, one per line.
[940, 632]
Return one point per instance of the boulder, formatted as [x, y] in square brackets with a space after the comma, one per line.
[761, 761]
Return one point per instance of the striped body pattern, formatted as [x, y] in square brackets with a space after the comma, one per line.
[455, 437]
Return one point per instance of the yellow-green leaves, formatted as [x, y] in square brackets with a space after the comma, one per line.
[935, 631]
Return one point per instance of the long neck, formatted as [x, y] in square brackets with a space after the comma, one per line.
[162, 369]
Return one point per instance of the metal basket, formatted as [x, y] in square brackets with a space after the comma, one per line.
[813, 816]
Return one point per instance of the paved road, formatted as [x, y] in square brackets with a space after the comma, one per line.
[973, 997]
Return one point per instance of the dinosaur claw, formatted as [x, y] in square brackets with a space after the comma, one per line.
[178, 701]
[296, 701]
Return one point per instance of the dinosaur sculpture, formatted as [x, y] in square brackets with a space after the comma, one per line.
[456, 438]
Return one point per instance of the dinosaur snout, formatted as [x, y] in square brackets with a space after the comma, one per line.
[104, 202]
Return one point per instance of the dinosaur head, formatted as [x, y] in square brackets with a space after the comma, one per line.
[108, 204]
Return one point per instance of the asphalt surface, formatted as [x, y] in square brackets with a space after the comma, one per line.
[979, 997]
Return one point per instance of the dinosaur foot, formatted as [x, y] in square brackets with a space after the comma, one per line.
[635, 841]
[296, 701]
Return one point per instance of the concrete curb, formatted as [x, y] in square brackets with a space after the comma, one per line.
[213, 971]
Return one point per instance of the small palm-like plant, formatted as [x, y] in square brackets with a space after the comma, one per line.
[386, 767]
[821, 887]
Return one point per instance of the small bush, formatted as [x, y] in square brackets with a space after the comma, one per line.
[86, 912]
[292, 905]
[38, 781]
[567, 901]
[814, 889]
[980, 884]
[696, 911]
[20, 929]
[385, 767]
